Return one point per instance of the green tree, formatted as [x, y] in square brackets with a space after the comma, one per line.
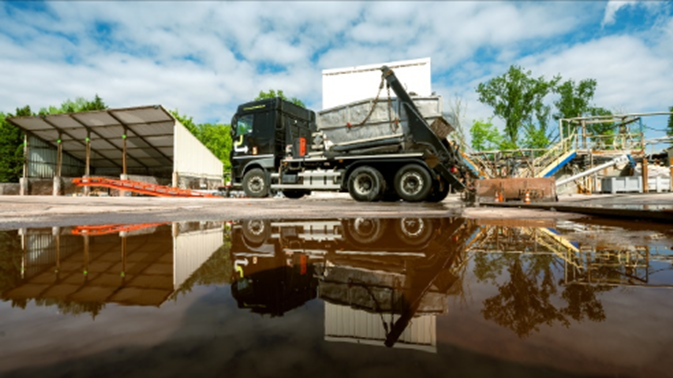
[80, 104]
[279, 93]
[187, 122]
[536, 137]
[575, 99]
[528, 293]
[517, 98]
[605, 128]
[11, 146]
[485, 136]
[217, 138]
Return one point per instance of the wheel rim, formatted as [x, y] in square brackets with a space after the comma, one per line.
[364, 184]
[256, 184]
[412, 227]
[411, 183]
[365, 230]
[256, 227]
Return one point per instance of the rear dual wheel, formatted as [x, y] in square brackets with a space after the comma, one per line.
[439, 192]
[413, 183]
[366, 184]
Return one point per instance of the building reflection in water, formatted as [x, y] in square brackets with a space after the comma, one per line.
[80, 269]
[384, 281]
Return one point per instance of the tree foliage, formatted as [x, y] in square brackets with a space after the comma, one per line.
[517, 98]
[485, 136]
[575, 99]
[11, 146]
[80, 104]
[279, 93]
[536, 137]
[529, 294]
[605, 128]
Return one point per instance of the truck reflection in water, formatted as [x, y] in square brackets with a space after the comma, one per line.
[383, 281]
[81, 269]
[374, 275]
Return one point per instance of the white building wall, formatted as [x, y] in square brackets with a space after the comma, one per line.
[346, 324]
[344, 85]
[191, 250]
[192, 158]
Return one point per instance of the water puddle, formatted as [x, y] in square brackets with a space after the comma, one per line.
[334, 297]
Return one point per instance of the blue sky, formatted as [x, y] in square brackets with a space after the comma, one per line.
[204, 58]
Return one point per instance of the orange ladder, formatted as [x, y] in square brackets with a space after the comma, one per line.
[140, 187]
[112, 228]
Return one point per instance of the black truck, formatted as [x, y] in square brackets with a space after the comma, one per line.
[279, 146]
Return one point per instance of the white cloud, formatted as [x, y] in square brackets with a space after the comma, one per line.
[143, 57]
[630, 74]
[612, 7]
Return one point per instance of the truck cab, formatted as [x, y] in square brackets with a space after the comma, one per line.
[263, 133]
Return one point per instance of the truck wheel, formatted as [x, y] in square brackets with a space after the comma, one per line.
[256, 231]
[414, 231]
[364, 231]
[439, 191]
[255, 184]
[413, 183]
[295, 194]
[366, 184]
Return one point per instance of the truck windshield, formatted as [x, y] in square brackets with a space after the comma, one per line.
[244, 124]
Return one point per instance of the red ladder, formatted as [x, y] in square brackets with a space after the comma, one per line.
[140, 187]
[112, 228]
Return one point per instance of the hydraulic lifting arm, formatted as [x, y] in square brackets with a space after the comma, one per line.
[419, 132]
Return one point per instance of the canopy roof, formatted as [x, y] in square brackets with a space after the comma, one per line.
[149, 132]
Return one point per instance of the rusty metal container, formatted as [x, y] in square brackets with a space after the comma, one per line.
[514, 189]
[343, 125]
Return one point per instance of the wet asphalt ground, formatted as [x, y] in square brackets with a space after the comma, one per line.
[46, 211]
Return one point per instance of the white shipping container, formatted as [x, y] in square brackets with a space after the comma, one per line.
[341, 86]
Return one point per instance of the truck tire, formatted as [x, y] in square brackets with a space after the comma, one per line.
[364, 231]
[256, 231]
[440, 190]
[413, 183]
[256, 183]
[414, 231]
[366, 184]
[295, 194]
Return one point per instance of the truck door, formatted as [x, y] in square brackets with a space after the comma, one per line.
[254, 134]
[263, 134]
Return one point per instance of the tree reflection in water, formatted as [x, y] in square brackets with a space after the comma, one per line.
[528, 295]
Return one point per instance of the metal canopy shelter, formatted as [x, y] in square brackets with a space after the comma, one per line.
[139, 138]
